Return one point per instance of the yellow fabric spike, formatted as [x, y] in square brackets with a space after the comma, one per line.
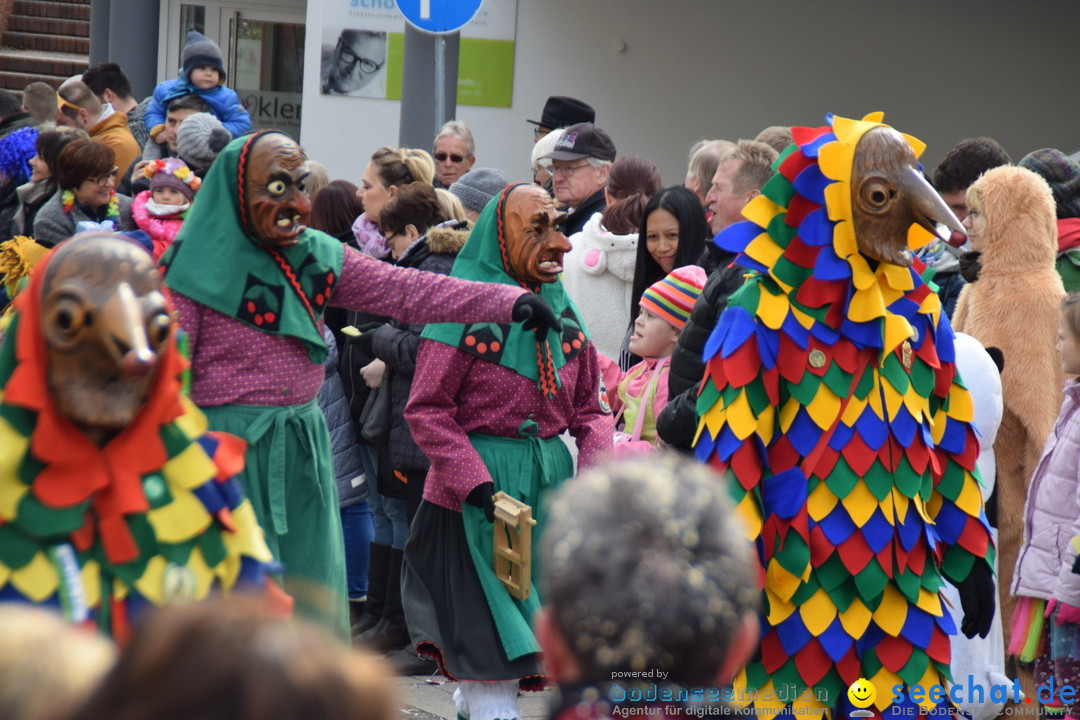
[748, 510]
[930, 678]
[180, 520]
[970, 498]
[853, 411]
[193, 423]
[762, 210]
[802, 318]
[767, 702]
[918, 406]
[918, 236]
[900, 505]
[788, 413]
[151, 583]
[821, 502]
[248, 538]
[119, 590]
[766, 425]
[886, 506]
[824, 408]
[740, 417]
[937, 426]
[91, 583]
[893, 399]
[884, 681]
[779, 609]
[897, 330]
[772, 309]
[892, 612]
[37, 579]
[856, 618]
[930, 602]
[818, 612]
[764, 249]
[5, 574]
[917, 145]
[738, 687]
[896, 277]
[837, 200]
[866, 305]
[860, 503]
[204, 574]
[713, 419]
[190, 469]
[960, 406]
[920, 507]
[784, 584]
[13, 447]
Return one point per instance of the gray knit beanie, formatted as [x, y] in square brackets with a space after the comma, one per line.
[200, 138]
[201, 50]
[1061, 173]
[475, 188]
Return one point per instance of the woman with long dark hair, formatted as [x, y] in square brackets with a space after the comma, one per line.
[672, 234]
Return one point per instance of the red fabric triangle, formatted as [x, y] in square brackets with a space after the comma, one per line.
[812, 662]
[893, 652]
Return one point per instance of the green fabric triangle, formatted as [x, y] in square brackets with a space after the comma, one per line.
[21, 419]
[870, 664]
[795, 555]
[47, 522]
[922, 377]
[212, 547]
[842, 479]
[952, 481]
[156, 491]
[7, 351]
[806, 389]
[879, 480]
[908, 482]
[838, 380]
[893, 370]
[178, 553]
[866, 384]
[16, 548]
[871, 581]
[216, 262]
[909, 584]
[780, 231]
[915, 667]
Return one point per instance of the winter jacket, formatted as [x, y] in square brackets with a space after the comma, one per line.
[161, 229]
[1014, 306]
[575, 221]
[223, 102]
[598, 275]
[32, 196]
[1052, 513]
[52, 224]
[397, 343]
[112, 130]
[677, 423]
[1068, 257]
[344, 439]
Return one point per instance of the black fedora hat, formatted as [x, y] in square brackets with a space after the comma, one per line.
[561, 111]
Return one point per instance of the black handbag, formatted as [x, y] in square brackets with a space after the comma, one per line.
[375, 417]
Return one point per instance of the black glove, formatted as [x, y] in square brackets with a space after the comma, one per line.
[482, 496]
[534, 312]
[978, 599]
[970, 265]
[1076, 565]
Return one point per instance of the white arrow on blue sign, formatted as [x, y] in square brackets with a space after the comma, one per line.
[439, 16]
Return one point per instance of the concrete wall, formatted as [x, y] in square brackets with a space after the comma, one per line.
[664, 74]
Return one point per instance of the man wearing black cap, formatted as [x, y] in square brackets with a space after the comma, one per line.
[580, 165]
[560, 112]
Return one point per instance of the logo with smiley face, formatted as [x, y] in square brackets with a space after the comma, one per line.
[862, 694]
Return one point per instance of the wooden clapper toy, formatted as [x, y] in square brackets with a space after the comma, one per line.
[513, 544]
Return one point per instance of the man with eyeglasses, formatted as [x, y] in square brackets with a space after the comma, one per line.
[353, 63]
[453, 151]
[580, 165]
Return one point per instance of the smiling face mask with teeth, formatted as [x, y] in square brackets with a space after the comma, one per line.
[534, 246]
[277, 206]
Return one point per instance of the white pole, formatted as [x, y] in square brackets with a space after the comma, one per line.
[440, 82]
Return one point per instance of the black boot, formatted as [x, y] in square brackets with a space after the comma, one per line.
[390, 632]
[379, 558]
[356, 611]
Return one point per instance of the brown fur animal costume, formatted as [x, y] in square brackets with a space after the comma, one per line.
[1014, 306]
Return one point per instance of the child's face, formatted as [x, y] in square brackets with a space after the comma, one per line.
[205, 77]
[653, 337]
[1068, 347]
[168, 196]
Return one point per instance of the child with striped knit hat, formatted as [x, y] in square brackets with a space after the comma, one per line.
[639, 394]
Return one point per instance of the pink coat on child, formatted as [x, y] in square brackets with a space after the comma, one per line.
[161, 229]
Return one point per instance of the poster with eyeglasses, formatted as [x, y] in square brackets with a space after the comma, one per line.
[363, 46]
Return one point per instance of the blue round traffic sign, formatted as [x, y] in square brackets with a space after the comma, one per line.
[439, 16]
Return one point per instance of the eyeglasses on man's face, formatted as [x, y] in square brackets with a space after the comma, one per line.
[456, 159]
[367, 65]
[104, 179]
[567, 171]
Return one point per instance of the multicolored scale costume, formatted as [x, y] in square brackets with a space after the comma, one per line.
[832, 403]
[99, 526]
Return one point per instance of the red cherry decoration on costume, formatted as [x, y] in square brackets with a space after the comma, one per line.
[269, 317]
[251, 307]
[470, 340]
[495, 346]
[566, 347]
[482, 348]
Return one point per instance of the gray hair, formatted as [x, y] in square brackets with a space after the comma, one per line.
[646, 567]
[598, 163]
[458, 129]
[705, 158]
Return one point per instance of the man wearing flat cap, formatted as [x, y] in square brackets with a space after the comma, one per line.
[580, 165]
[559, 112]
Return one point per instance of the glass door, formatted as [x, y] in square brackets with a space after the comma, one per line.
[268, 71]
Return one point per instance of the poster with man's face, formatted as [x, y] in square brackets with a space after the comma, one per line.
[354, 63]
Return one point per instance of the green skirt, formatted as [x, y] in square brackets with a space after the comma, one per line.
[289, 477]
[457, 610]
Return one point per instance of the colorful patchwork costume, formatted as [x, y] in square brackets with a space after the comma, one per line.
[150, 516]
[831, 401]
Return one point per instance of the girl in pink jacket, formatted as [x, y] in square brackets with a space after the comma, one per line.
[1046, 623]
[160, 211]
